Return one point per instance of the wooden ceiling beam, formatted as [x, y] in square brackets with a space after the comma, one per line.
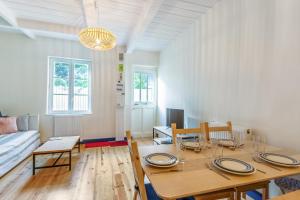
[90, 12]
[11, 19]
[148, 13]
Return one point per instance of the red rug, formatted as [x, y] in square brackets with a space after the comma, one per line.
[106, 144]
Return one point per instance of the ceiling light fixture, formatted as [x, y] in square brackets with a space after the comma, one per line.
[97, 38]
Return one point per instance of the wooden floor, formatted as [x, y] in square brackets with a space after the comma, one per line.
[97, 174]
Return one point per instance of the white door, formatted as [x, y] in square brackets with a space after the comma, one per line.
[143, 112]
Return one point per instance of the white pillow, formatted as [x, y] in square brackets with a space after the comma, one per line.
[22, 122]
[33, 122]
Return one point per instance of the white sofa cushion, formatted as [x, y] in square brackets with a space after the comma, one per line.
[22, 122]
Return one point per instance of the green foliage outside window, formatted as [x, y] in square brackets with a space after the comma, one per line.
[140, 80]
[61, 75]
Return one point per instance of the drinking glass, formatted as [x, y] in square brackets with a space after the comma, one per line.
[216, 149]
[262, 143]
[179, 152]
[201, 141]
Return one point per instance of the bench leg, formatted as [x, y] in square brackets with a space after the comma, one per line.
[33, 164]
[70, 160]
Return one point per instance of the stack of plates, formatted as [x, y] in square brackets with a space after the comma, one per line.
[227, 143]
[278, 159]
[193, 145]
[161, 160]
[234, 166]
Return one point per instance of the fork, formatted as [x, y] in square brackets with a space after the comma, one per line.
[217, 172]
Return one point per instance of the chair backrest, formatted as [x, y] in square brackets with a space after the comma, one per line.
[136, 165]
[215, 129]
[176, 131]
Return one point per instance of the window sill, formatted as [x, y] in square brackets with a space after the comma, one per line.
[68, 114]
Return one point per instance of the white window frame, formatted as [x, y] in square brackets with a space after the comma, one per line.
[71, 62]
[150, 70]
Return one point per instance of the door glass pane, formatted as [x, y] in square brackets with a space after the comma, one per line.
[150, 88]
[60, 86]
[136, 86]
[144, 87]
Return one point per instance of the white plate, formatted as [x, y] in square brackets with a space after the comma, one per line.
[234, 166]
[161, 159]
[164, 166]
[278, 159]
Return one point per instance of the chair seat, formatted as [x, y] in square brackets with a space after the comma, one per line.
[151, 194]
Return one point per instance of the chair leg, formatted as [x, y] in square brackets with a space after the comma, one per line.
[231, 196]
[244, 194]
[238, 195]
[135, 195]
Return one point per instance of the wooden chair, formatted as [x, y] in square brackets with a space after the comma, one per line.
[137, 169]
[215, 129]
[176, 131]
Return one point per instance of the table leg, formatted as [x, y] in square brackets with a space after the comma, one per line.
[70, 160]
[33, 164]
[265, 192]
[79, 146]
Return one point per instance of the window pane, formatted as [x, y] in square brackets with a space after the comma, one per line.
[60, 86]
[144, 80]
[144, 95]
[61, 74]
[81, 83]
[81, 71]
[150, 88]
[144, 87]
[60, 102]
[137, 86]
[61, 70]
[81, 103]
[81, 87]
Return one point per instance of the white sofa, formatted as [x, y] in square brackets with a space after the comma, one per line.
[15, 147]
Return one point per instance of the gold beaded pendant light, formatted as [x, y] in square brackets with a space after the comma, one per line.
[97, 38]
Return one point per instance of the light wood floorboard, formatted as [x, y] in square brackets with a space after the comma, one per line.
[92, 177]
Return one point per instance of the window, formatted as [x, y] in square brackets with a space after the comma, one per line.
[144, 87]
[69, 89]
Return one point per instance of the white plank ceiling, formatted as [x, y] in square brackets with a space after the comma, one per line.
[120, 16]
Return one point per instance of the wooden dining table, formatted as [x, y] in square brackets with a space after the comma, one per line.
[193, 177]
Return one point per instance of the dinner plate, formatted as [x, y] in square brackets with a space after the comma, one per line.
[161, 159]
[279, 159]
[164, 166]
[234, 166]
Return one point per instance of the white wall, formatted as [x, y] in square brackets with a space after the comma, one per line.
[23, 81]
[239, 62]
